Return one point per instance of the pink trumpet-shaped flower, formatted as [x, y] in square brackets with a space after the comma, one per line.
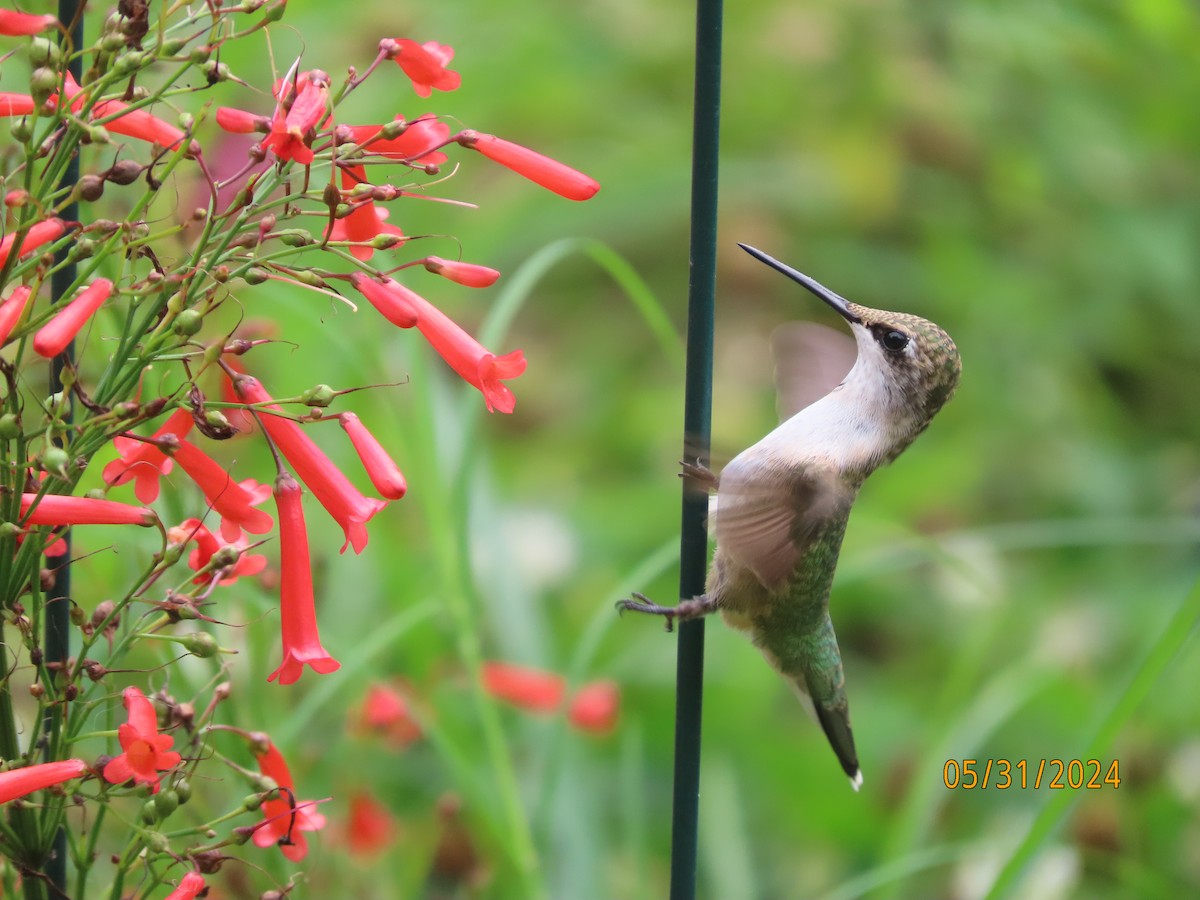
[286, 817]
[145, 752]
[463, 353]
[530, 689]
[189, 887]
[136, 123]
[234, 502]
[549, 173]
[298, 610]
[41, 233]
[142, 461]
[19, 782]
[19, 24]
[15, 104]
[425, 64]
[468, 274]
[11, 309]
[333, 490]
[53, 337]
[415, 145]
[207, 546]
[291, 134]
[595, 707]
[238, 121]
[383, 472]
[365, 221]
[370, 826]
[58, 509]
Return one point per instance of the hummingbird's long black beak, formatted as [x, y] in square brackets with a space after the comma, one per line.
[837, 301]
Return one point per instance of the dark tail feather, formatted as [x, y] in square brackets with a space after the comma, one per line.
[836, 724]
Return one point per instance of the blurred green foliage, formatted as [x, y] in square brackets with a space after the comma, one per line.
[1022, 173]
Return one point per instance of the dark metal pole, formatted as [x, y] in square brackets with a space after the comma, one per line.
[57, 647]
[697, 422]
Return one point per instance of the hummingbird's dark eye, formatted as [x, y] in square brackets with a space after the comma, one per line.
[893, 341]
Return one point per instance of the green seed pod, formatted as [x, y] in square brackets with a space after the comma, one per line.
[43, 52]
[10, 426]
[128, 63]
[252, 802]
[187, 323]
[200, 644]
[42, 83]
[55, 461]
[149, 812]
[255, 275]
[166, 802]
[22, 131]
[320, 396]
[171, 47]
[183, 790]
[294, 237]
[157, 842]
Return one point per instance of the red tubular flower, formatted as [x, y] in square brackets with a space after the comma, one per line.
[391, 299]
[53, 337]
[384, 474]
[463, 353]
[385, 712]
[17, 24]
[298, 609]
[234, 502]
[595, 707]
[549, 173]
[530, 689]
[370, 826]
[286, 817]
[18, 782]
[189, 887]
[425, 64]
[145, 751]
[333, 490]
[468, 274]
[291, 134]
[207, 546]
[136, 123]
[238, 121]
[15, 104]
[57, 509]
[144, 462]
[11, 309]
[365, 221]
[41, 233]
[415, 145]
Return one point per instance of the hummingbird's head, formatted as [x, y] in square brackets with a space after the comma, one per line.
[905, 363]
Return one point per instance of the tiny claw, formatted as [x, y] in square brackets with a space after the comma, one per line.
[704, 477]
[641, 603]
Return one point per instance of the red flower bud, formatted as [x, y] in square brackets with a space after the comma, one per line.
[549, 173]
[19, 782]
[470, 274]
[53, 337]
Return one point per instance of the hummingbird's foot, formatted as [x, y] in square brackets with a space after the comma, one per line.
[684, 610]
[700, 475]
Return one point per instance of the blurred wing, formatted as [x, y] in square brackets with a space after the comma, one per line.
[810, 361]
[767, 530]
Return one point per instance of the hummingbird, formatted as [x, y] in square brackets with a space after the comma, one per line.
[782, 504]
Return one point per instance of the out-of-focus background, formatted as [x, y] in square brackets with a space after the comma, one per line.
[1022, 173]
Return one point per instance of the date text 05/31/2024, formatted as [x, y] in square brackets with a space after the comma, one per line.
[1002, 774]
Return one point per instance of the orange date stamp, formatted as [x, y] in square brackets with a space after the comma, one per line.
[1022, 774]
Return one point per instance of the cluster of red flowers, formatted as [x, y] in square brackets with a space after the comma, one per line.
[218, 544]
[300, 127]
